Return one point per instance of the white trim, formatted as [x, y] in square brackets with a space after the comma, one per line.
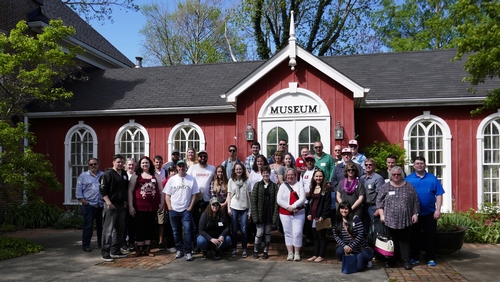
[447, 185]
[357, 90]
[142, 111]
[423, 102]
[480, 155]
[126, 126]
[67, 158]
[179, 126]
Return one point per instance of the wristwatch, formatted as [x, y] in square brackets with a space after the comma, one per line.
[416, 213]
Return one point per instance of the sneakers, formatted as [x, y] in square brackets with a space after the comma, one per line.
[255, 255]
[204, 257]
[161, 246]
[107, 258]
[296, 257]
[118, 255]
[87, 249]
[244, 254]
[172, 250]
[407, 265]
[431, 263]
[124, 250]
[369, 264]
[179, 255]
[265, 255]
[189, 257]
[290, 256]
[217, 254]
[233, 254]
[414, 261]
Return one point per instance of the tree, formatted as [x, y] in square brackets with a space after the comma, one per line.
[480, 41]
[324, 27]
[30, 66]
[197, 32]
[100, 10]
[415, 24]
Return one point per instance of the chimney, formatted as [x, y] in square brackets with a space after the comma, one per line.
[138, 62]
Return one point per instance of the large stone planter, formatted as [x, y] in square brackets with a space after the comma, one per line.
[450, 242]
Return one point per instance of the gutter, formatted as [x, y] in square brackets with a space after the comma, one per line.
[459, 101]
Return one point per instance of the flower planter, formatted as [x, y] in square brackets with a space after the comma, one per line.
[450, 241]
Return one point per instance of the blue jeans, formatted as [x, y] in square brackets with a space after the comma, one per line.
[182, 221]
[243, 216]
[90, 214]
[205, 245]
[368, 215]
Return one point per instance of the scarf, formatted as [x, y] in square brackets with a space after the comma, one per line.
[238, 183]
[349, 189]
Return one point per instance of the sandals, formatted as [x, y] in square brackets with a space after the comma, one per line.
[313, 258]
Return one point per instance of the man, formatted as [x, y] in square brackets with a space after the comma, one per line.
[390, 161]
[300, 162]
[338, 154]
[372, 182]
[323, 160]
[282, 147]
[114, 191]
[338, 171]
[180, 193]
[203, 173]
[430, 194]
[161, 172]
[175, 158]
[251, 159]
[356, 156]
[231, 161]
[87, 192]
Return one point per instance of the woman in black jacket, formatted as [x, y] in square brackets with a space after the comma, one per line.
[320, 199]
[214, 229]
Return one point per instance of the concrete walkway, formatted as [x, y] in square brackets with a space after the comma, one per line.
[64, 260]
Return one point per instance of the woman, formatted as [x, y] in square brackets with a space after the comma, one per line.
[275, 167]
[351, 190]
[348, 233]
[191, 158]
[255, 174]
[320, 201]
[213, 229]
[238, 201]
[398, 207]
[291, 198]
[218, 187]
[287, 163]
[264, 211]
[144, 192]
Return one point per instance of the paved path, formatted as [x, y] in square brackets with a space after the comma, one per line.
[63, 260]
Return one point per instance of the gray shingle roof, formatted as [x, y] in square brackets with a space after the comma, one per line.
[390, 76]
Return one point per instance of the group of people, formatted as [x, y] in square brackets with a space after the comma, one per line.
[204, 207]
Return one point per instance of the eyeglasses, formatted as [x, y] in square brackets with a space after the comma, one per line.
[351, 170]
[396, 174]
[282, 144]
[368, 164]
[353, 146]
[318, 147]
[232, 151]
[215, 205]
[93, 164]
[338, 150]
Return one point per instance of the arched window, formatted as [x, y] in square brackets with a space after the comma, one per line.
[273, 138]
[307, 137]
[186, 135]
[488, 156]
[132, 141]
[80, 145]
[429, 136]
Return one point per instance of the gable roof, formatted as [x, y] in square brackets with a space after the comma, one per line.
[425, 78]
[85, 34]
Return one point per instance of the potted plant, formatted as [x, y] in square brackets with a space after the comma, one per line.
[450, 232]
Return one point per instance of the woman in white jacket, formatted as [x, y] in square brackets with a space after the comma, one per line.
[291, 198]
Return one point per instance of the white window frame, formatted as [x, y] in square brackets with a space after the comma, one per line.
[67, 156]
[177, 128]
[124, 128]
[480, 155]
[447, 179]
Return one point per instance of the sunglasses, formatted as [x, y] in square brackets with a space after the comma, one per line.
[368, 164]
[282, 144]
[351, 170]
[93, 164]
[215, 205]
[318, 147]
[396, 174]
[232, 151]
[338, 150]
[202, 157]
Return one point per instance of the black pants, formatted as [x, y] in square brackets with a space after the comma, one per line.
[319, 242]
[424, 229]
[401, 238]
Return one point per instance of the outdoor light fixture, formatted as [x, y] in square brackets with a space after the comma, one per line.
[250, 133]
[339, 131]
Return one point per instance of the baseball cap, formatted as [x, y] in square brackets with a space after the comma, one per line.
[346, 151]
[175, 152]
[214, 200]
[202, 152]
[353, 142]
[181, 162]
[309, 157]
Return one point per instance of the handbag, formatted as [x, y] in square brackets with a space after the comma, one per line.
[384, 246]
[326, 223]
[349, 264]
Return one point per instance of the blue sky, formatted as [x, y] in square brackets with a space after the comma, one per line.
[123, 33]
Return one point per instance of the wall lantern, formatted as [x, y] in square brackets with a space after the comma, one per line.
[339, 131]
[250, 133]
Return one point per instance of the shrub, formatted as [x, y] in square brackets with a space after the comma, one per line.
[380, 150]
[11, 247]
[36, 214]
[70, 219]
